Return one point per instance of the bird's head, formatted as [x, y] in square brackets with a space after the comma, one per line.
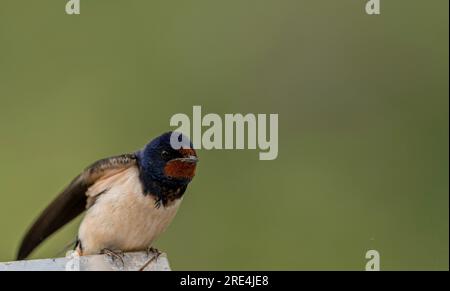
[164, 167]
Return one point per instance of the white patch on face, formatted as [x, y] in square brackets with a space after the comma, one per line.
[122, 218]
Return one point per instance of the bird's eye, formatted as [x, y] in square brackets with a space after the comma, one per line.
[164, 155]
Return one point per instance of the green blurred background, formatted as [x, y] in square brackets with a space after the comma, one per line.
[362, 102]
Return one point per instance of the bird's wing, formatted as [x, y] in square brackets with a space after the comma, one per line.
[71, 202]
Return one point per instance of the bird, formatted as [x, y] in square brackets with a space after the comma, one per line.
[129, 199]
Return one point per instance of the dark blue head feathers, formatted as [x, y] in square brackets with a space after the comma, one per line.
[166, 170]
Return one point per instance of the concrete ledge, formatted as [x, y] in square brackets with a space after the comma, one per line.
[72, 262]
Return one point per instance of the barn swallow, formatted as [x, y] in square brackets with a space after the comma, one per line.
[129, 200]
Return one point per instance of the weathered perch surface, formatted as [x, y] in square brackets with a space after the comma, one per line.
[131, 262]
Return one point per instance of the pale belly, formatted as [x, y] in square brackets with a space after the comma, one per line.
[123, 218]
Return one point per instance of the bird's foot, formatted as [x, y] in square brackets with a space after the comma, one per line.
[114, 255]
[156, 253]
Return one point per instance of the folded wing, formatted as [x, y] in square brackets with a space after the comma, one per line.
[71, 202]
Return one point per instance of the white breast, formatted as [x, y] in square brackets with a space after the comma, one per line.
[122, 218]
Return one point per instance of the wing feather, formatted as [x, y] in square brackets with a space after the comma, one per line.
[71, 202]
